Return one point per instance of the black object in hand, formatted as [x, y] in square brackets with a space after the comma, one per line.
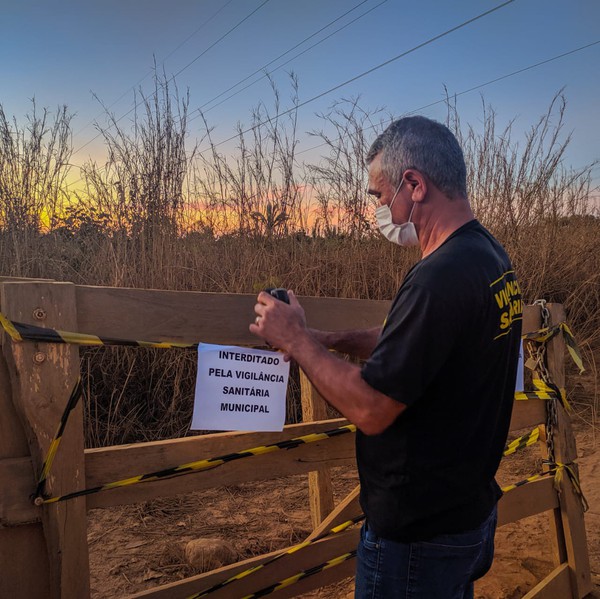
[279, 293]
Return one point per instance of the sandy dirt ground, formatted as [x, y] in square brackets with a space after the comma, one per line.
[139, 547]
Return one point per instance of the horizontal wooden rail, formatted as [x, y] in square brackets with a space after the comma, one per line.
[114, 463]
[528, 413]
[315, 554]
[209, 317]
[123, 461]
[189, 316]
[528, 500]
[336, 451]
[519, 503]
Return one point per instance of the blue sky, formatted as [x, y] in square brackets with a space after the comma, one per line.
[64, 52]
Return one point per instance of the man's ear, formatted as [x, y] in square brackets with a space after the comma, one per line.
[417, 183]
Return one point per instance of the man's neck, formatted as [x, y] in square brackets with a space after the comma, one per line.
[443, 223]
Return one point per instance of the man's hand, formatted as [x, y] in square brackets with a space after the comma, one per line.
[284, 326]
[278, 323]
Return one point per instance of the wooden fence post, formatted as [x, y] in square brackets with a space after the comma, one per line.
[42, 377]
[22, 544]
[565, 452]
[320, 489]
[557, 538]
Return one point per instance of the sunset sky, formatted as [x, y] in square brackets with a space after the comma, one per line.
[68, 52]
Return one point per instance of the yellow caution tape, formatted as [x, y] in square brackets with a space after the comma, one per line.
[544, 335]
[552, 391]
[8, 326]
[208, 464]
[523, 395]
[560, 468]
[337, 529]
[19, 331]
[526, 481]
[522, 442]
[336, 561]
[572, 347]
[73, 399]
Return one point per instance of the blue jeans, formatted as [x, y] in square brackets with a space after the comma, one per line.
[441, 568]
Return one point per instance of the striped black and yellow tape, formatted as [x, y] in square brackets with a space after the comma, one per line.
[528, 480]
[337, 529]
[545, 334]
[560, 468]
[572, 347]
[542, 391]
[521, 442]
[542, 335]
[19, 331]
[336, 561]
[328, 564]
[208, 464]
[47, 465]
[523, 395]
[26, 332]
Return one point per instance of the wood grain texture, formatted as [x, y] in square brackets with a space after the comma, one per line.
[289, 565]
[528, 413]
[13, 442]
[532, 498]
[347, 509]
[565, 451]
[42, 377]
[24, 570]
[575, 539]
[531, 319]
[20, 546]
[121, 461]
[555, 586]
[337, 451]
[16, 506]
[189, 316]
[320, 489]
[39, 392]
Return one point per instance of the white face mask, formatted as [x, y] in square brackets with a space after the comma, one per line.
[404, 234]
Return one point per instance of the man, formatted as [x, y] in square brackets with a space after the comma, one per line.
[433, 401]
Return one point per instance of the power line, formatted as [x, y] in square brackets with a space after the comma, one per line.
[261, 69]
[178, 72]
[594, 169]
[466, 91]
[134, 87]
[355, 78]
[189, 37]
[363, 74]
[189, 64]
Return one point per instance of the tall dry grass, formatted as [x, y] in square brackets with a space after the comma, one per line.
[162, 214]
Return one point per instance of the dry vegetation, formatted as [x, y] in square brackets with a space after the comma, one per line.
[159, 214]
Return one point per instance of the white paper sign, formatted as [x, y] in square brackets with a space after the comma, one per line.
[520, 384]
[239, 389]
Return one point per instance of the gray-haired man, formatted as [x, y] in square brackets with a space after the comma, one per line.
[433, 401]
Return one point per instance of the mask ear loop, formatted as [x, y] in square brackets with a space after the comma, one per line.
[396, 193]
[411, 211]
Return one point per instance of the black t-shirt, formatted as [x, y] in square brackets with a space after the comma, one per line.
[449, 351]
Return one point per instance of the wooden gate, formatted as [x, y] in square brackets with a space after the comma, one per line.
[43, 549]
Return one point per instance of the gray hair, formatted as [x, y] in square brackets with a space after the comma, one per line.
[425, 145]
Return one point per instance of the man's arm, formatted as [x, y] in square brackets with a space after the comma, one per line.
[357, 342]
[339, 382]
